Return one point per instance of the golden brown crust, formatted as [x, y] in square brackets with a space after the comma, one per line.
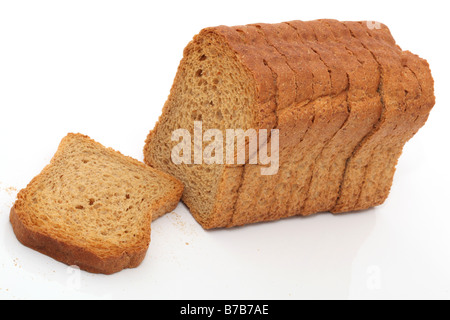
[285, 40]
[269, 198]
[265, 64]
[283, 74]
[364, 107]
[371, 170]
[322, 85]
[390, 91]
[70, 254]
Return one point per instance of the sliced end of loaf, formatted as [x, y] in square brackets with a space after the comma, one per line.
[211, 86]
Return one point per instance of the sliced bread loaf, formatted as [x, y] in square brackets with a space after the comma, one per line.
[92, 207]
[344, 97]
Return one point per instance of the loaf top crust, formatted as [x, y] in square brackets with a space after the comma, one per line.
[294, 63]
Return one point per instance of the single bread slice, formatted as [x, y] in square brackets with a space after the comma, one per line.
[92, 207]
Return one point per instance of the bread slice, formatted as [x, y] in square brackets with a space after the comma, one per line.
[92, 207]
[344, 97]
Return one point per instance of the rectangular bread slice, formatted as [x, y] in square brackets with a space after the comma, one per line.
[344, 97]
[92, 207]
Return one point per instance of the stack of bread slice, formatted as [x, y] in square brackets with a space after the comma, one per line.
[343, 97]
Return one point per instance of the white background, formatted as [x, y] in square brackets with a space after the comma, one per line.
[105, 68]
